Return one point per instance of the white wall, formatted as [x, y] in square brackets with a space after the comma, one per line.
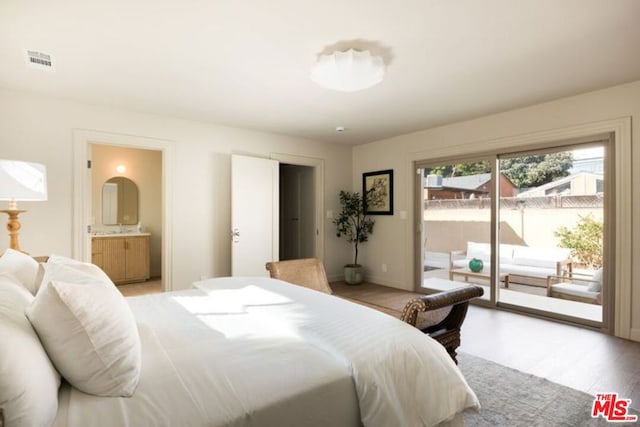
[40, 129]
[392, 241]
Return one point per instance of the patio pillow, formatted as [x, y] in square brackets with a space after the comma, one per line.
[597, 277]
[479, 250]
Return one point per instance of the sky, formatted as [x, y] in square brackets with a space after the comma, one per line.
[588, 153]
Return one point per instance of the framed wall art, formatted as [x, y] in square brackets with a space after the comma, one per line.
[377, 192]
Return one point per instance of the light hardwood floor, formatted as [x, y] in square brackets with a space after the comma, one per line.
[152, 286]
[579, 358]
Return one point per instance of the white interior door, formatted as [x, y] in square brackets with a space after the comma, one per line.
[254, 214]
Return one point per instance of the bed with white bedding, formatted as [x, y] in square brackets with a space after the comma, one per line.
[261, 352]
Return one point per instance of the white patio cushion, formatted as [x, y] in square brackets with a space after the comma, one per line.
[575, 290]
[527, 270]
[539, 257]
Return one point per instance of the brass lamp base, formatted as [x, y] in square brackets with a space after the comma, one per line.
[13, 225]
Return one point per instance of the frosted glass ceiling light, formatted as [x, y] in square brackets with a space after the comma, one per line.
[348, 71]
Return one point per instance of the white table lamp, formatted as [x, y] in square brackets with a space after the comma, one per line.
[20, 181]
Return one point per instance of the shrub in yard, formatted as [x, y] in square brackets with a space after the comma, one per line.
[584, 240]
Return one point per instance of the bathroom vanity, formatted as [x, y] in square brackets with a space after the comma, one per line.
[124, 257]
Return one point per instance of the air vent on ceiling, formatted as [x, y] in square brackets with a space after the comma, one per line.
[39, 60]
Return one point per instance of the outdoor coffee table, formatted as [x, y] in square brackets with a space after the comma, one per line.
[486, 275]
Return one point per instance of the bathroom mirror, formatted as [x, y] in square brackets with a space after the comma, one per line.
[119, 201]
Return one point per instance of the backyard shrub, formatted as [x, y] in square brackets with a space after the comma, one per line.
[584, 240]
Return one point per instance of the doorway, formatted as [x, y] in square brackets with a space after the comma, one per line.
[126, 214]
[297, 212]
[312, 194]
[83, 140]
[256, 239]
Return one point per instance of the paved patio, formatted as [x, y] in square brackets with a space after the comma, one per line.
[436, 276]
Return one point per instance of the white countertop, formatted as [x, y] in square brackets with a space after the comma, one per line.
[102, 234]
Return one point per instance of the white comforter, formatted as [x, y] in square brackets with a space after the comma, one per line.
[260, 352]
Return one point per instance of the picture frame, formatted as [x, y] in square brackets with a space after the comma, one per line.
[377, 192]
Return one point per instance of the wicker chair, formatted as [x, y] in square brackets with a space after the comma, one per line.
[447, 330]
[307, 272]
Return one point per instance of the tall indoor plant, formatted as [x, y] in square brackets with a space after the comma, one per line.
[353, 223]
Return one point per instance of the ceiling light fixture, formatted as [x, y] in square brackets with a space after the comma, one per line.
[348, 71]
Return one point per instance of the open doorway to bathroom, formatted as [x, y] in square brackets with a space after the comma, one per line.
[126, 216]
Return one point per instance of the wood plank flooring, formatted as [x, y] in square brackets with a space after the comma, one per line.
[579, 358]
[152, 286]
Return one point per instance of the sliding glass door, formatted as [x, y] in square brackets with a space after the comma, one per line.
[552, 230]
[456, 225]
[545, 231]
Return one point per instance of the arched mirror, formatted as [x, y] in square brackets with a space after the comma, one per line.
[119, 201]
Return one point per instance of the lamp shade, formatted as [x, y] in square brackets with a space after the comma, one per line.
[22, 181]
[348, 71]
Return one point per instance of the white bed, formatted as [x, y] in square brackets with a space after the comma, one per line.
[230, 352]
[260, 352]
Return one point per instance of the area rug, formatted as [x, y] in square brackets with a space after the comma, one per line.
[514, 398]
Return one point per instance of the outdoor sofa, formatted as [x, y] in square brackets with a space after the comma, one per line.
[525, 265]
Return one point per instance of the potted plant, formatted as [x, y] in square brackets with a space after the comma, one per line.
[356, 226]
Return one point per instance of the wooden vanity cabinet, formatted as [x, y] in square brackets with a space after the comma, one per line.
[125, 259]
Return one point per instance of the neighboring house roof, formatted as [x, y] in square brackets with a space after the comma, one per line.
[468, 182]
[557, 183]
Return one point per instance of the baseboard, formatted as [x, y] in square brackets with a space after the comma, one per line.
[386, 282]
[335, 277]
[635, 335]
[371, 279]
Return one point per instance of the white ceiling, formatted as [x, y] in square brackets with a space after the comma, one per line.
[246, 63]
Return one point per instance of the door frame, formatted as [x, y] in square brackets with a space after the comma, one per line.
[318, 172]
[81, 239]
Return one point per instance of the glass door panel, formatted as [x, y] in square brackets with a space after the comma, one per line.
[456, 226]
[551, 222]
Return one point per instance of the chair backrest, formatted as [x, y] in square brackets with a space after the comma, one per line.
[307, 272]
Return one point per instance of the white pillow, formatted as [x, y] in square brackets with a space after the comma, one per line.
[22, 266]
[66, 269]
[479, 250]
[90, 335]
[596, 287]
[28, 380]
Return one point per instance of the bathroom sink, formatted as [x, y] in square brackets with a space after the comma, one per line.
[117, 233]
